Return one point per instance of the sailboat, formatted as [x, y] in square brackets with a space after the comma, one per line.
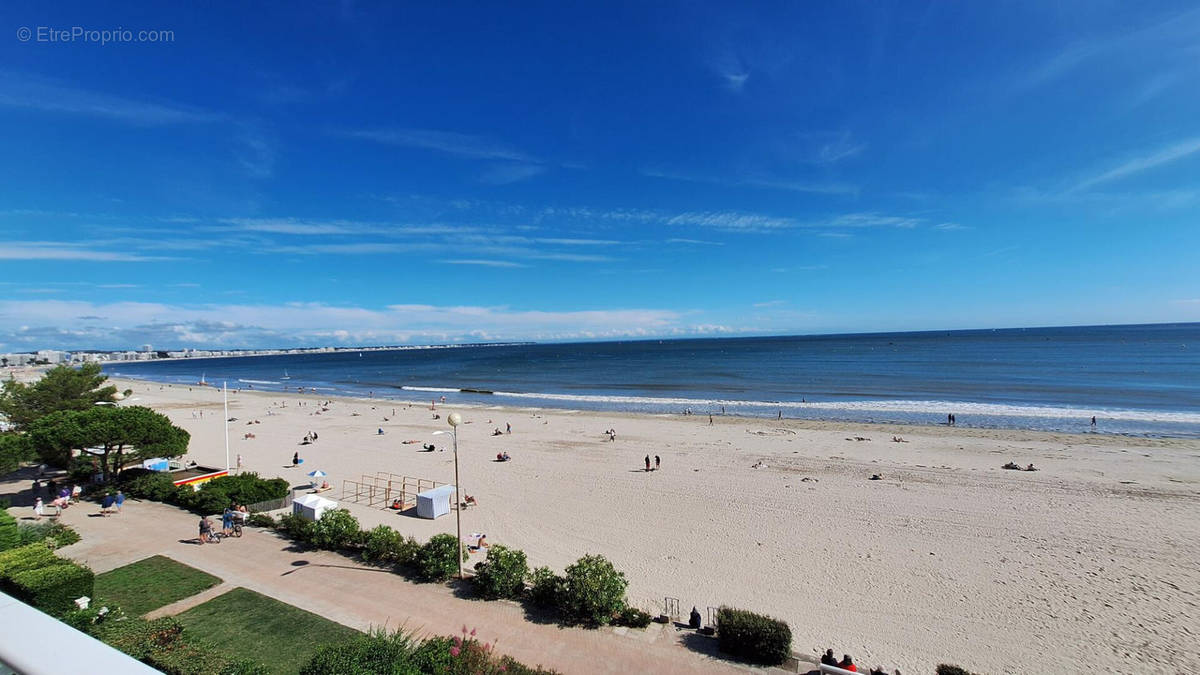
[285, 375]
[202, 383]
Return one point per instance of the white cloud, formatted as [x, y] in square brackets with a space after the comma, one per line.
[45, 250]
[503, 174]
[53, 323]
[449, 142]
[1171, 153]
[483, 263]
[22, 91]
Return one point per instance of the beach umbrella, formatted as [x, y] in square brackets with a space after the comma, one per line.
[316, 474]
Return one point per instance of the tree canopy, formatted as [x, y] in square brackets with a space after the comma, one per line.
[115, 436]
[61, 388]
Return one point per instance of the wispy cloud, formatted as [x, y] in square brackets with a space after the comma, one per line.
[22, 91]
[1165, 155]
[503, 174]
[484, 263]
[871, 219]
[731, 70]
[698, 242]
[43, 250]
[732, 221]
[770, 303]
[449, 142]
[788, 185]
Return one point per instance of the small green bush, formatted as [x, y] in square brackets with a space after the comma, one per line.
[296, 527]
[436, 560]
[545, 587]
[381, 544]
[377, 652]
[24, 558]
[10, 536]
[632, 617]
[503, 574]
[89, 620]
[753, 637]
[335, 530]
[56, 535]
[157, 487]
[54, 589]
[15, 450]
[593, 590]
[947, 669]
[261, 520]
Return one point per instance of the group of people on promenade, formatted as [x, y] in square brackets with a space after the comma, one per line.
[232, 519]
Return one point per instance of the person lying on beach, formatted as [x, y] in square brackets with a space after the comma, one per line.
[468, 500]
[1012, 466]
[428, 447]
[502, 457]
[1030, 468]
[497, 432]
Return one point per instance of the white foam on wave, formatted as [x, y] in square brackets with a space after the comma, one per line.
[257, 381]
[442, 390]
[930, 407]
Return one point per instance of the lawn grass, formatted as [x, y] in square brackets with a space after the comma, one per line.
[249, 625]
[151, 583]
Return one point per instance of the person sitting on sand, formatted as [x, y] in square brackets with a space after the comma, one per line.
[497, 432]
[397, 505]
[1030, 468]
[468, 500]
[295, 458]
[380, 432]
[828, 659]
[848, 664]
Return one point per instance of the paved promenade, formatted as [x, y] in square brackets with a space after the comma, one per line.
[343, 590]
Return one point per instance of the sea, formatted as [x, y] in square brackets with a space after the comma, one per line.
[1138, 380]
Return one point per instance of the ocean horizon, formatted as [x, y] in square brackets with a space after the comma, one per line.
[1139, 380]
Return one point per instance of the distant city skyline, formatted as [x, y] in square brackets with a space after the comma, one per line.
[333, 175]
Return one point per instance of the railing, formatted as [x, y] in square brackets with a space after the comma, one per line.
[35, 643]
[272, 504]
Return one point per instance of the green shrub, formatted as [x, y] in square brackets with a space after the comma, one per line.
[54, 589]
[753, 637]
[377, 652]
[503, 574]
[163, 644]
[633, 617]
[296, 527]
[545, 587]
[947, 669]
[436, 561]
[24, 558]
[10, 536]
[593, 590]
[54, 534]
[89, 620]
[157, 487]
[335, 530]
[261, 520]
[381, 545]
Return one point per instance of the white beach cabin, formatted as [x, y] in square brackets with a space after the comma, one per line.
[310, 507]
[435, 502]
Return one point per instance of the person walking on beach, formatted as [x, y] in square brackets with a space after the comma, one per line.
[657, 461]
[1093, 421]
[507, 428]
[647, 462]
[710, 420]
[295, 459]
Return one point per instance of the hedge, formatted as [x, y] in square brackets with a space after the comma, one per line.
[54, 534]
[54, 589]
[10, 536]
[29, 557]
[754, 637]
[213, 496]
[164, 645]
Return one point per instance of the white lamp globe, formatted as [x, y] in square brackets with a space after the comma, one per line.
[454, 419]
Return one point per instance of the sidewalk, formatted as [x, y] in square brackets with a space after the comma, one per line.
[343, 590]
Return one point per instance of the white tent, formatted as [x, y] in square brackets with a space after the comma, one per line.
[310, 507]
[435, 502]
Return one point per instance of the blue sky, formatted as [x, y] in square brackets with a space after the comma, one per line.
[368, 173]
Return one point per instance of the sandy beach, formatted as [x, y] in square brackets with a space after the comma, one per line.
[1091, 563]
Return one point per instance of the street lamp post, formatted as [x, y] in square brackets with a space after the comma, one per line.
[455, 419]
